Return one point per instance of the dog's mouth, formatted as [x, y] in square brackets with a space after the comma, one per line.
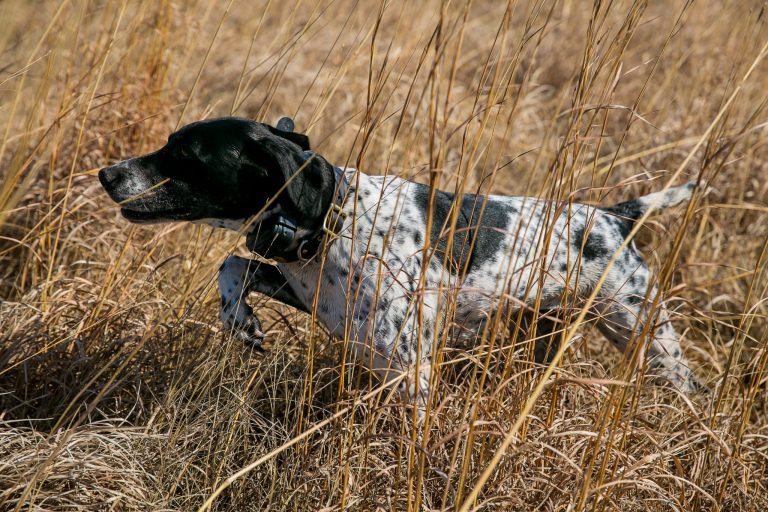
[138, 216]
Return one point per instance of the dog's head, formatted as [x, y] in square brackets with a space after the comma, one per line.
[228, 169]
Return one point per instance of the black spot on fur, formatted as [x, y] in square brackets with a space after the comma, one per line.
[595, 246]
[627, 257]
[623, 226]
[397, 322]
[417, 238]
[405, 353]
[487, 231]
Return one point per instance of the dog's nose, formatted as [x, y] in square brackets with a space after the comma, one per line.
[109, 175]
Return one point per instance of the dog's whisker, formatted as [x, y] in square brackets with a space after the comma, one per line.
[144, 193]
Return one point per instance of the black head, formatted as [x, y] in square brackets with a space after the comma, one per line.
[226, 169]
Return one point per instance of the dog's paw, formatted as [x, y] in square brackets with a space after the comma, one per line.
[240, 321]
[251, 334]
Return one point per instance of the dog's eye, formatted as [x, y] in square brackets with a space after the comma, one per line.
[183, 153]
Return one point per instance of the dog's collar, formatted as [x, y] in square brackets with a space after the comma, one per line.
[276, 238]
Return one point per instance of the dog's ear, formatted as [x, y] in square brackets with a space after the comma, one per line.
[310, 190]
[306, 179]
[284, 129]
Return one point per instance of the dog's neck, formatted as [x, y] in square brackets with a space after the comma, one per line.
[284, 239]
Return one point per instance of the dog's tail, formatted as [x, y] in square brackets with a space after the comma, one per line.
[636, 208]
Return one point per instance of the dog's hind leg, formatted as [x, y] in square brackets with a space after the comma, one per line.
[622, 313]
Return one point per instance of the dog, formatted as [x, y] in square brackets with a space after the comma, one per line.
[387, 264]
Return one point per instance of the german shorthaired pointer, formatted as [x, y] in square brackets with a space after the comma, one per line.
[388, 264]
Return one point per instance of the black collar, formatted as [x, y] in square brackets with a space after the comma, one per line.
[276, 237]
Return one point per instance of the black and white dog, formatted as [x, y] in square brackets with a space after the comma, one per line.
[386, 264]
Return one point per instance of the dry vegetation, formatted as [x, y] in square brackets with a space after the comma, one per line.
[119, 391]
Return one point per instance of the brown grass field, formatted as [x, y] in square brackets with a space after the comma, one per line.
[118, 388]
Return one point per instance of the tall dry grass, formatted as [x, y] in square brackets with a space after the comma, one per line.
[118, 389]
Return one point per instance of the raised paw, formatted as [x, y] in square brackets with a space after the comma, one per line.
[251, 334]
[239, 320]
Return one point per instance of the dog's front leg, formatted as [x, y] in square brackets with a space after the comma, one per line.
[237, 277]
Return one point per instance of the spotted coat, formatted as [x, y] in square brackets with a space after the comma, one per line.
[390, 293]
